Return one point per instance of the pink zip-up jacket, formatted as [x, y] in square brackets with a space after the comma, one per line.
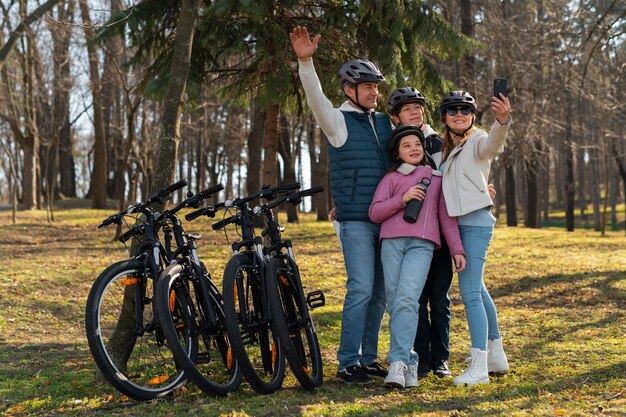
[387, 209]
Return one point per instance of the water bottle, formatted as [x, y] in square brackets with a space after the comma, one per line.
[413, 207]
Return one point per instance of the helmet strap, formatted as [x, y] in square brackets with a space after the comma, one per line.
[462, 136]
[356, 103]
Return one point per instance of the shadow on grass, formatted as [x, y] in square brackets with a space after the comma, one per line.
[63, 374]
[48, 372]
[591, 288]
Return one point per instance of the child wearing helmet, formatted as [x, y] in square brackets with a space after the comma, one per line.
[432, 340]
[407, 248]
[358, 138]
[467, 155]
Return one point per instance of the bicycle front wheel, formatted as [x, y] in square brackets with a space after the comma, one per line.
[180, 304]
[124, 336]
[255, 344]
[292, 322]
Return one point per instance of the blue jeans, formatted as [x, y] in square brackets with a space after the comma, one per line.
[432, 341]
[482, 317]
[364, 305]
[406, 262]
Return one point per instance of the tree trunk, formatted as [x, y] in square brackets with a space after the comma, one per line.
[289, 173]
[270, 145]
[570, 189]
[583, 184]
[99, 176]
[531, 218]
[61, 87]
[320, 172]
[12, 180]
[509, 190]
[255, 147]
[467, 28]
[122, 342]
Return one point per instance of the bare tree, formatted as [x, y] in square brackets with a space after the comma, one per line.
[99, 177]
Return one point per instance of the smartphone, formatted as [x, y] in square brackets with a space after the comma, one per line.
[499, 86]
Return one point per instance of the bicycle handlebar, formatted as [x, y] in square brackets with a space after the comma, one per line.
[223, 223]
[194, 200]
[296, 198]
[268, 193]
[162, 195]
[133, 231]
[158, 197]
[205, 211]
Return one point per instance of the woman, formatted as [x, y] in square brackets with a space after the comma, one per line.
[467, 155]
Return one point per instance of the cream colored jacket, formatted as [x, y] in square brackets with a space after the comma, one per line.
[467, 169]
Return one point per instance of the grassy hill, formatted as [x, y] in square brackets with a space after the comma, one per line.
[561, 299]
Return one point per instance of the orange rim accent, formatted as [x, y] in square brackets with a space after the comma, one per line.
[229, 358]
[130, 281]
[274, 353]
[158, 380]
[172, 301]
[235, 292]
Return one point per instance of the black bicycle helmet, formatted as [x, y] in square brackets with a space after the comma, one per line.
[457, 98]
[403, 96]
[359, 71]
[402, 131]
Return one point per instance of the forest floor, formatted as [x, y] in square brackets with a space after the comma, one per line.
[561, 299]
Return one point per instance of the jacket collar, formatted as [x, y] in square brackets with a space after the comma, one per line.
[406, 169]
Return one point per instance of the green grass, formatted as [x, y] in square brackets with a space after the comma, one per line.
[561, 299]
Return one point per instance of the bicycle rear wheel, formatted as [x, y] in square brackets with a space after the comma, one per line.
[292, 322]
[254, 342]
[179, 304]
[132, 355]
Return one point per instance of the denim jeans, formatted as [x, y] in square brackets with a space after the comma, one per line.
[432, 341]
[406, 262]
[364, 304]
[480, 310]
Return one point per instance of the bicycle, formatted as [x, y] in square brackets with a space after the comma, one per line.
[122, 329]
[186, 296]
[246, 306]
[290, 316]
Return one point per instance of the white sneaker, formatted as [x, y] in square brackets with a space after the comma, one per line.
[477, 372]
[496, 358]
[395, 377]
[410, 376]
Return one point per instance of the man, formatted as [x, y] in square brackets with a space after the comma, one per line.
[358, 160]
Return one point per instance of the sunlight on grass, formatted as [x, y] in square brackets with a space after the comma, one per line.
[560, 297]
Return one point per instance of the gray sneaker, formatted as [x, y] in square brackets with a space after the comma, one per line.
[395, 378]
[410, 376]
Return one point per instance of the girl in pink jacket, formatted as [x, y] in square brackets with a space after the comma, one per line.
[407, 248]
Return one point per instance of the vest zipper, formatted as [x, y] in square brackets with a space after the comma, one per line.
[371, 119]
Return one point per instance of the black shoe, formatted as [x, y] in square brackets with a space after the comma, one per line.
[353, 375]
[423, 369]
[375, 369]
[441, 369]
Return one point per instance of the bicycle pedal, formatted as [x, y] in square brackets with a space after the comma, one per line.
[246, 338]
[315, 299]
[203, 358]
